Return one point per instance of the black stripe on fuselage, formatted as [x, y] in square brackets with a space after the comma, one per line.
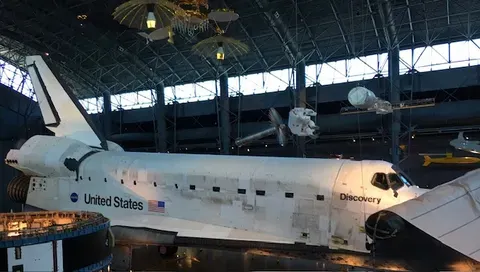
[394, 237]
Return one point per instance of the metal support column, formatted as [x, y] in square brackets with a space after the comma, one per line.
[107, 115]
[386, 14]
[160, 117]
[394, 76]
[224, 113]
[300, 101]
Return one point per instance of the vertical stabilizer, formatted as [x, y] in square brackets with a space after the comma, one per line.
[62, 112]
[460, 136]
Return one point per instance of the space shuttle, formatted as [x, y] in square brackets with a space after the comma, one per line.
[221, 201]
[437, 230]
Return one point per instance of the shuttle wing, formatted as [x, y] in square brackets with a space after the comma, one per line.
[61, 111]
[192, 229]
[450, 213]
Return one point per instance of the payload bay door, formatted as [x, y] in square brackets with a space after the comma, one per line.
[347, 212]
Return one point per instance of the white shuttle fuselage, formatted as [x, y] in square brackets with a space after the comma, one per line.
[318, 202]
[321, 202]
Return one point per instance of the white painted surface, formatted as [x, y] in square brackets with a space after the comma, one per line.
[450, 213]
[361, 97]
[37, 257]
[203, 212]
[60, 255]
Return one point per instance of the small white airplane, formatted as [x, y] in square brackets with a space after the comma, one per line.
[464, 144]
[181, 199]
[437, 229]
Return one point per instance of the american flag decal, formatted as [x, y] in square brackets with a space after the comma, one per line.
[156, 206]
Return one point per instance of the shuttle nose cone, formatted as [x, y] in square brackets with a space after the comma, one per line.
[384, 225]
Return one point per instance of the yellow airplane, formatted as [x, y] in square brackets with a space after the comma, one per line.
[450, 159]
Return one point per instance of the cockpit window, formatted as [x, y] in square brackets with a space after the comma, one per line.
[379, 180]
[392, 181]
[405, 179]
[395, 181]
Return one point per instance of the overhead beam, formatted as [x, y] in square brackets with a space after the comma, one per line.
[164, 63]
[341, 27]
[257, 50]
[388, 22]
[374, 24]
[309, 32]
[15, 49]
[106, 42]
[16, 102]
[410, 22]
[52, 44]
[78, 75]
[67, 20]
[281, 30]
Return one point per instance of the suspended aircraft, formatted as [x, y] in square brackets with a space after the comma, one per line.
[278, 204]
[464, 144]
[460, 143]
[437, 230]
[448, 159]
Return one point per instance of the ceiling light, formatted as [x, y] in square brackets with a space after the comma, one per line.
[170, 37]
[151, 21]
[220, 53]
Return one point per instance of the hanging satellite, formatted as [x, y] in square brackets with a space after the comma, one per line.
[192, 17]
[299, 123]
[363, 100]
[277, 127]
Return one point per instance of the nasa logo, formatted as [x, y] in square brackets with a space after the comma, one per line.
[360, 198]
[74, 197]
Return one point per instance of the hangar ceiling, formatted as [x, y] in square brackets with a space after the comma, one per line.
[99, 54]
